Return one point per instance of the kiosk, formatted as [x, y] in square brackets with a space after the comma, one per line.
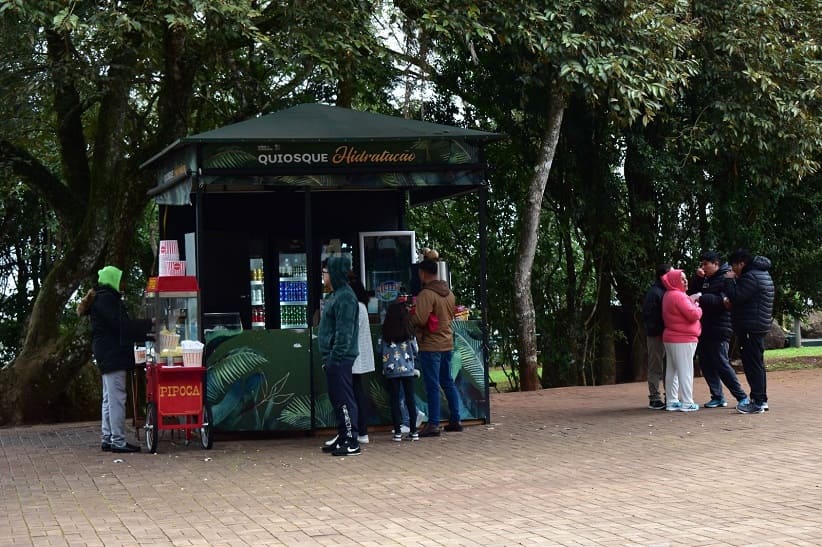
[257, 206]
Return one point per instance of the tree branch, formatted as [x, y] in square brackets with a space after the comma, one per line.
[43, 182]
[68, 109]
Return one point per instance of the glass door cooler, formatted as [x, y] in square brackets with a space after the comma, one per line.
[293, 275]
[257, 289]
[385, 265]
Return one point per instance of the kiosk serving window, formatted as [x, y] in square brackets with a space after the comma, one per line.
[385, 264]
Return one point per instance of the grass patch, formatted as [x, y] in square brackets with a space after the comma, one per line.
[775, 359]
[793, 358]
[498, 377]
[786, 353]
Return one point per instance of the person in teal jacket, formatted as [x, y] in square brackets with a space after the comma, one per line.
[338, 342]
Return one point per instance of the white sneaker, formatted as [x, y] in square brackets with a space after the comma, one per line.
[420, 418]
[405, 429]
[363, 439]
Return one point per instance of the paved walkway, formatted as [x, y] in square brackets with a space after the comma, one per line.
[573, 466]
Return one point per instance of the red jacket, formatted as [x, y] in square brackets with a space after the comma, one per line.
[680, 314]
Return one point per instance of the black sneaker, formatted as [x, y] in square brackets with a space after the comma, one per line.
[331, 444]
[128, 448]
[454, 427]
[749, 407]
[105, 447]
[430, 431]
[657, 405]
[347, 448]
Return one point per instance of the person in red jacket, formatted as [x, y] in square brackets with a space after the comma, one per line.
[681, 315]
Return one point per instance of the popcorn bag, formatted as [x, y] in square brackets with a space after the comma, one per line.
[192, 353]
[169, 250]
[139, 355]
[172, 268]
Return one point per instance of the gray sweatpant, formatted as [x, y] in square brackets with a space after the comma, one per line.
[114, 408]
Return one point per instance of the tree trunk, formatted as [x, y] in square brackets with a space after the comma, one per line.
[643, 219]
[523, 299]
[102, 233]
[606, 354]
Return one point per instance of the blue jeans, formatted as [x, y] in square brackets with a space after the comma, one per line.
[717, 369]
[436, 373]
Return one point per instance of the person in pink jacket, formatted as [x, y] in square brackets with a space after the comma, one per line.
[681, 315]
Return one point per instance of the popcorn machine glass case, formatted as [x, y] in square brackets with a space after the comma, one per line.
[174, 303]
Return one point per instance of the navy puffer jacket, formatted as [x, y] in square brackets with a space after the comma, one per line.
[652, 310]
[752, 297]
[716, 320]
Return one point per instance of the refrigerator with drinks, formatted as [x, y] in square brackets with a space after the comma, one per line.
[293, 290]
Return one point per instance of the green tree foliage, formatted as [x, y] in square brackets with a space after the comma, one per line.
[639, 132]
[736, 154]
[93, 90]
[686, 126]
[623, 59]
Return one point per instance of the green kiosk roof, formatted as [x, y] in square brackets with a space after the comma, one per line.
[325, 146]
[322, 123]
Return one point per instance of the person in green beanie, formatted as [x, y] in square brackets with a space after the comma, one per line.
[113, 336]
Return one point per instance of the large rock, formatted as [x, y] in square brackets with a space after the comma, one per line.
[812, 326]
[775, 339]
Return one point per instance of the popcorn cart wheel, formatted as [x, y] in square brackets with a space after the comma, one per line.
[175, 400]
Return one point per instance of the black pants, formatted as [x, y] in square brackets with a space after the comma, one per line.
[752, 350]
[717, 369]
[341, 392]
[407, 383]
[361, 396]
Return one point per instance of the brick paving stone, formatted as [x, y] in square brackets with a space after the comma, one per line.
[571, 466]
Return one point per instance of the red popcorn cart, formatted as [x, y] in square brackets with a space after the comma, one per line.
[175, 401]
[175, 376]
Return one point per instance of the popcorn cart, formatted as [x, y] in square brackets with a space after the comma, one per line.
[175, 401]
[175, 375]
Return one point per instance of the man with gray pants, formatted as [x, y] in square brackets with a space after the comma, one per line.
[652, 319]
[113, 334]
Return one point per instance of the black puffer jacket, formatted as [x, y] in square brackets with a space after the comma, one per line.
[113, 333]
[752, 297]
[716, 320]
[652, 310]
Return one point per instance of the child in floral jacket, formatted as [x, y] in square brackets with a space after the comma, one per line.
[398, 353]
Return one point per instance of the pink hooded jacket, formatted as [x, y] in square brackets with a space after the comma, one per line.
[680, 314]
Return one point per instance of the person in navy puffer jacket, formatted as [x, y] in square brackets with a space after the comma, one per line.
[652, 320]
[708, 284]
[749, 293]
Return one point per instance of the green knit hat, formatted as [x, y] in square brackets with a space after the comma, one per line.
[110, 275]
